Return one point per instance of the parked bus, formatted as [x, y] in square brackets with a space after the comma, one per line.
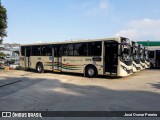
[136, 57]
[109, 56]
[147, 62]
[142, 58]
[154, 58]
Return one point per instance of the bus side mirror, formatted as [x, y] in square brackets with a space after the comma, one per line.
[134, 52]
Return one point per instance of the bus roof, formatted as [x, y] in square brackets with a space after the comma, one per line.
[74, 41]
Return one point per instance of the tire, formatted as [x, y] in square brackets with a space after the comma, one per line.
[40, 68]
[91, 71]
[151, 66]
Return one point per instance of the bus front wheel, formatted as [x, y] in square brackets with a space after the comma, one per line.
[91, 71]
[39, 68]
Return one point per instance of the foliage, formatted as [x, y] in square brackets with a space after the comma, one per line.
[3, 22]
[10, 62]
[2, 54]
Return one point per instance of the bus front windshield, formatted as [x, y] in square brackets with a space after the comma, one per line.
[135, 54]
[146, 55]
[126, 52]
[142, 57]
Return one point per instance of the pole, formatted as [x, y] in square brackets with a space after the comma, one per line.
[148, 44]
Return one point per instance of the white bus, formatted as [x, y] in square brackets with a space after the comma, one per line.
[136, 57]
[154, 57]
[142, 58]
[146, 57]
[108, 56]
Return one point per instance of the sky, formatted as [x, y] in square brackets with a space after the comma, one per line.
[32, 21]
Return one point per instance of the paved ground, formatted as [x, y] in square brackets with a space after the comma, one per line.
[29, 91]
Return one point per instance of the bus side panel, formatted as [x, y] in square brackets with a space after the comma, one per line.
[22, 62]
[27, 62]
[72, 64]
[57, 64]
[45, 60]
[78, 64]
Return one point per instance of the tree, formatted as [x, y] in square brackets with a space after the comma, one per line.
[2, 54]
[3, 22]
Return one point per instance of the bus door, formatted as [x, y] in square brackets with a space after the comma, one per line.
[111, 57]
[157, 58]
[27, 57]
[57, 64]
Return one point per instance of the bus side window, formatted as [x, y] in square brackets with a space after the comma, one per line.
[48, 50]
[22, 50]
[64, 50]
[95, 48]
[151, 54]
[80, 49]
[58, 50]
[28, 51]
[61, 50]
[36, 50]
[70, 50]
[43, 50]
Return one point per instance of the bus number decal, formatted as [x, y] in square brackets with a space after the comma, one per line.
[88, 59]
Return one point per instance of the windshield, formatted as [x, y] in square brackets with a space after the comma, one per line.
[135, 53]
[146, 55]
[126, 52]
[141, 53]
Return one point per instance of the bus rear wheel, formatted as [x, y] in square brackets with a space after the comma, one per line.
[39, 68]
[91, 71]
[151, 66]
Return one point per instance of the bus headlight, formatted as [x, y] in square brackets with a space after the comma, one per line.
[124, 68]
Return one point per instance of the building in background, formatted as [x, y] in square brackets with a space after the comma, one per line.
[11, 53]
[152, 45]
[154, 52]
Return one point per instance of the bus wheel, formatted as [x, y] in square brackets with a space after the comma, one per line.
[91, 71]
[40, 68]
[151, 66]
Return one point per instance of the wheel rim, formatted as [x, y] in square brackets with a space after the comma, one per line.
[39, 68]
[91, 72]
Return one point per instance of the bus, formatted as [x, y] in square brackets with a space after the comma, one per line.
[108, 56]
[141, 53]
[146, 57]
[136, 57]
[154, 58]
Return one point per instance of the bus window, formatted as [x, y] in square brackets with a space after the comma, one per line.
[28, 51]
[70, 50]
[58, 50]
[94, 48]
[36, 50]
[46, 50]
[80, 49]
[22, 51]
[151, 54]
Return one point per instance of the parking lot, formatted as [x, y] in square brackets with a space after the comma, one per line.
[30, 91]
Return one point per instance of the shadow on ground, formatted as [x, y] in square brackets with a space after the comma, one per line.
[39, 94]
[157, 85]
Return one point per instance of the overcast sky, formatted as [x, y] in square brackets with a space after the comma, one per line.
[30, 21]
